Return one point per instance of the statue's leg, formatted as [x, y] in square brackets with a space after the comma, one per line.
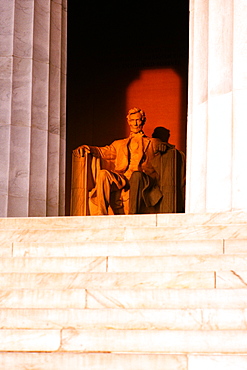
[138, 181]
[107, 182]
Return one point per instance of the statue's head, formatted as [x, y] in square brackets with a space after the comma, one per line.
[136, 119]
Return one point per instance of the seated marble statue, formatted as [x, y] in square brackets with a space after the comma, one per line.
[135, 174]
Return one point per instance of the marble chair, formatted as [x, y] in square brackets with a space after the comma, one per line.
[171, 170]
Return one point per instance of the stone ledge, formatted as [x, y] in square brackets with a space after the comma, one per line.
[52, 264]
[165, 219]
[29, 340]
[110, 280]
[124, 319]
[92, 361]
[141, 264]
[177, 263]
[168, 298]
[43, 298]
[142, 341]
[118, 248]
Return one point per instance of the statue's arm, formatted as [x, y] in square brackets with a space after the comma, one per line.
[161, 147]
[81, 150]
[106, 152]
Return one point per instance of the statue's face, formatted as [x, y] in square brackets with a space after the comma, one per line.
[135, 123]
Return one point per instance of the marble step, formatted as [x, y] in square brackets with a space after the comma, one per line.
[120, 233]
[176, 220]
[124, 319]
[104, 281]
[167, 298]
[122, 248]
[124, 298]
[172, 263]
[155, 341]
[126, 280]
[119, 361]
[93, 361]
[125, 341]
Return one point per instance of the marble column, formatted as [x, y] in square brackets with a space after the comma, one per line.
[32, 112]
[217, 114]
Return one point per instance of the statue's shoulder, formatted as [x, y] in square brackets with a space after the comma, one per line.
[120, 142]
[155, 140]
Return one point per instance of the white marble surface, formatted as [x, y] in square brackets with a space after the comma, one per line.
[40, 103]
[99, 280]
[177, 263]
[131, 248]
[23, 28]
[85, 222]
[217, 362]
[38, 165]
[169, 298]
[125, 319]
[239, 181]
[55, 265]
[240, 47]
[7, 30]
[174, 296]
[6, 249]
[53, 165]
[22, 95]
[235, 246]
[19, 171]
[189, 233]
[41, 31]
[42, 298]
[126, 234]
[234, 279]
[213, 218]
[220, 49]
[66, 235]
[181, 220]
[225, 341]
[6, 66]
[92, 361]
[219, 157]
[215, 180]
[195, 167]
[53, 172]
[29, 340]
[31, 96]
[4, 168]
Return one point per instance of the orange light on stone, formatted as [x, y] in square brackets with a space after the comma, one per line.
[158, 92]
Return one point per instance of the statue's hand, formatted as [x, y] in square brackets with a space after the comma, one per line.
[162, 147]
[81, 150]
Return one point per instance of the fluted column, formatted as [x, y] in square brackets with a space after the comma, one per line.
[217, 115]
[32, 113]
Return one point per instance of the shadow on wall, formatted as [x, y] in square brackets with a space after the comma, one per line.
[161, 93]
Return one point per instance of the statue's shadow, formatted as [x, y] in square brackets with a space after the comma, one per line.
[161, 133]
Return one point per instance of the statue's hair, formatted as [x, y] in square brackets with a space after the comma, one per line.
[137, 110]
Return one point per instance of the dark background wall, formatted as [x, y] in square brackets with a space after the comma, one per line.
[120, 56]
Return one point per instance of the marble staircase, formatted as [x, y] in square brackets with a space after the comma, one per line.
[162, 292]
